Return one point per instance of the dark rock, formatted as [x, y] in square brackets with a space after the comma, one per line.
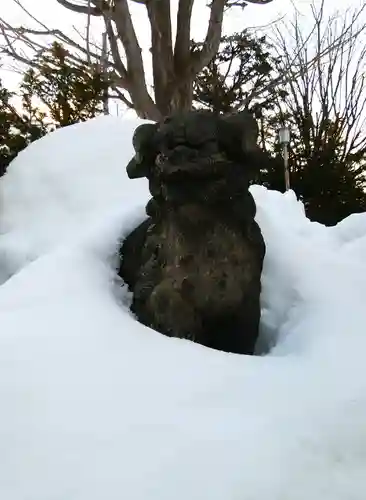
[194, 266]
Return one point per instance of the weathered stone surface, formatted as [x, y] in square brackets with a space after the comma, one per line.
[194, 265]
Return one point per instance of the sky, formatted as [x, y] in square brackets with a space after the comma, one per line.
[54, 16]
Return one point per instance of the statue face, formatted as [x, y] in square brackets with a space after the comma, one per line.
[188, 144]
[194, 143]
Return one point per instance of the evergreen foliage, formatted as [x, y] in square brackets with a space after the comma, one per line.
[17, 129]
[70, 91]
[55, 92]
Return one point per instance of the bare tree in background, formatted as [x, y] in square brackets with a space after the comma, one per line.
[331, 91]
[174, 64]
[324, 104]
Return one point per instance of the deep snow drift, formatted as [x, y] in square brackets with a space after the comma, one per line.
[95, 406]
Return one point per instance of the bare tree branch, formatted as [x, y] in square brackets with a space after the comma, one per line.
[183, 35]
[80, 9]
[212, 40]
[121, 68]
[136, 84]
[327, 93]
[162, 51]
[88, 32]
[119, 94]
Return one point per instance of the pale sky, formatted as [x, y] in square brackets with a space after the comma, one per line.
[54, 16]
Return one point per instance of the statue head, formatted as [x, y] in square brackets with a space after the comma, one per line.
[194, 143]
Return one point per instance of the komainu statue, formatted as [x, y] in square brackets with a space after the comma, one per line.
[194, 265]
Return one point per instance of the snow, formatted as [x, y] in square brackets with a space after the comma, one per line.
[96, 406]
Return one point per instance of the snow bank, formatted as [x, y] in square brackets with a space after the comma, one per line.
[95, 406]
[63, 183]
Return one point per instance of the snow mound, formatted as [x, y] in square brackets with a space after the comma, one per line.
[95, 406]
[64, 183]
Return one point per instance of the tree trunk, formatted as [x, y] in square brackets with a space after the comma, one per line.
[162, 52]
